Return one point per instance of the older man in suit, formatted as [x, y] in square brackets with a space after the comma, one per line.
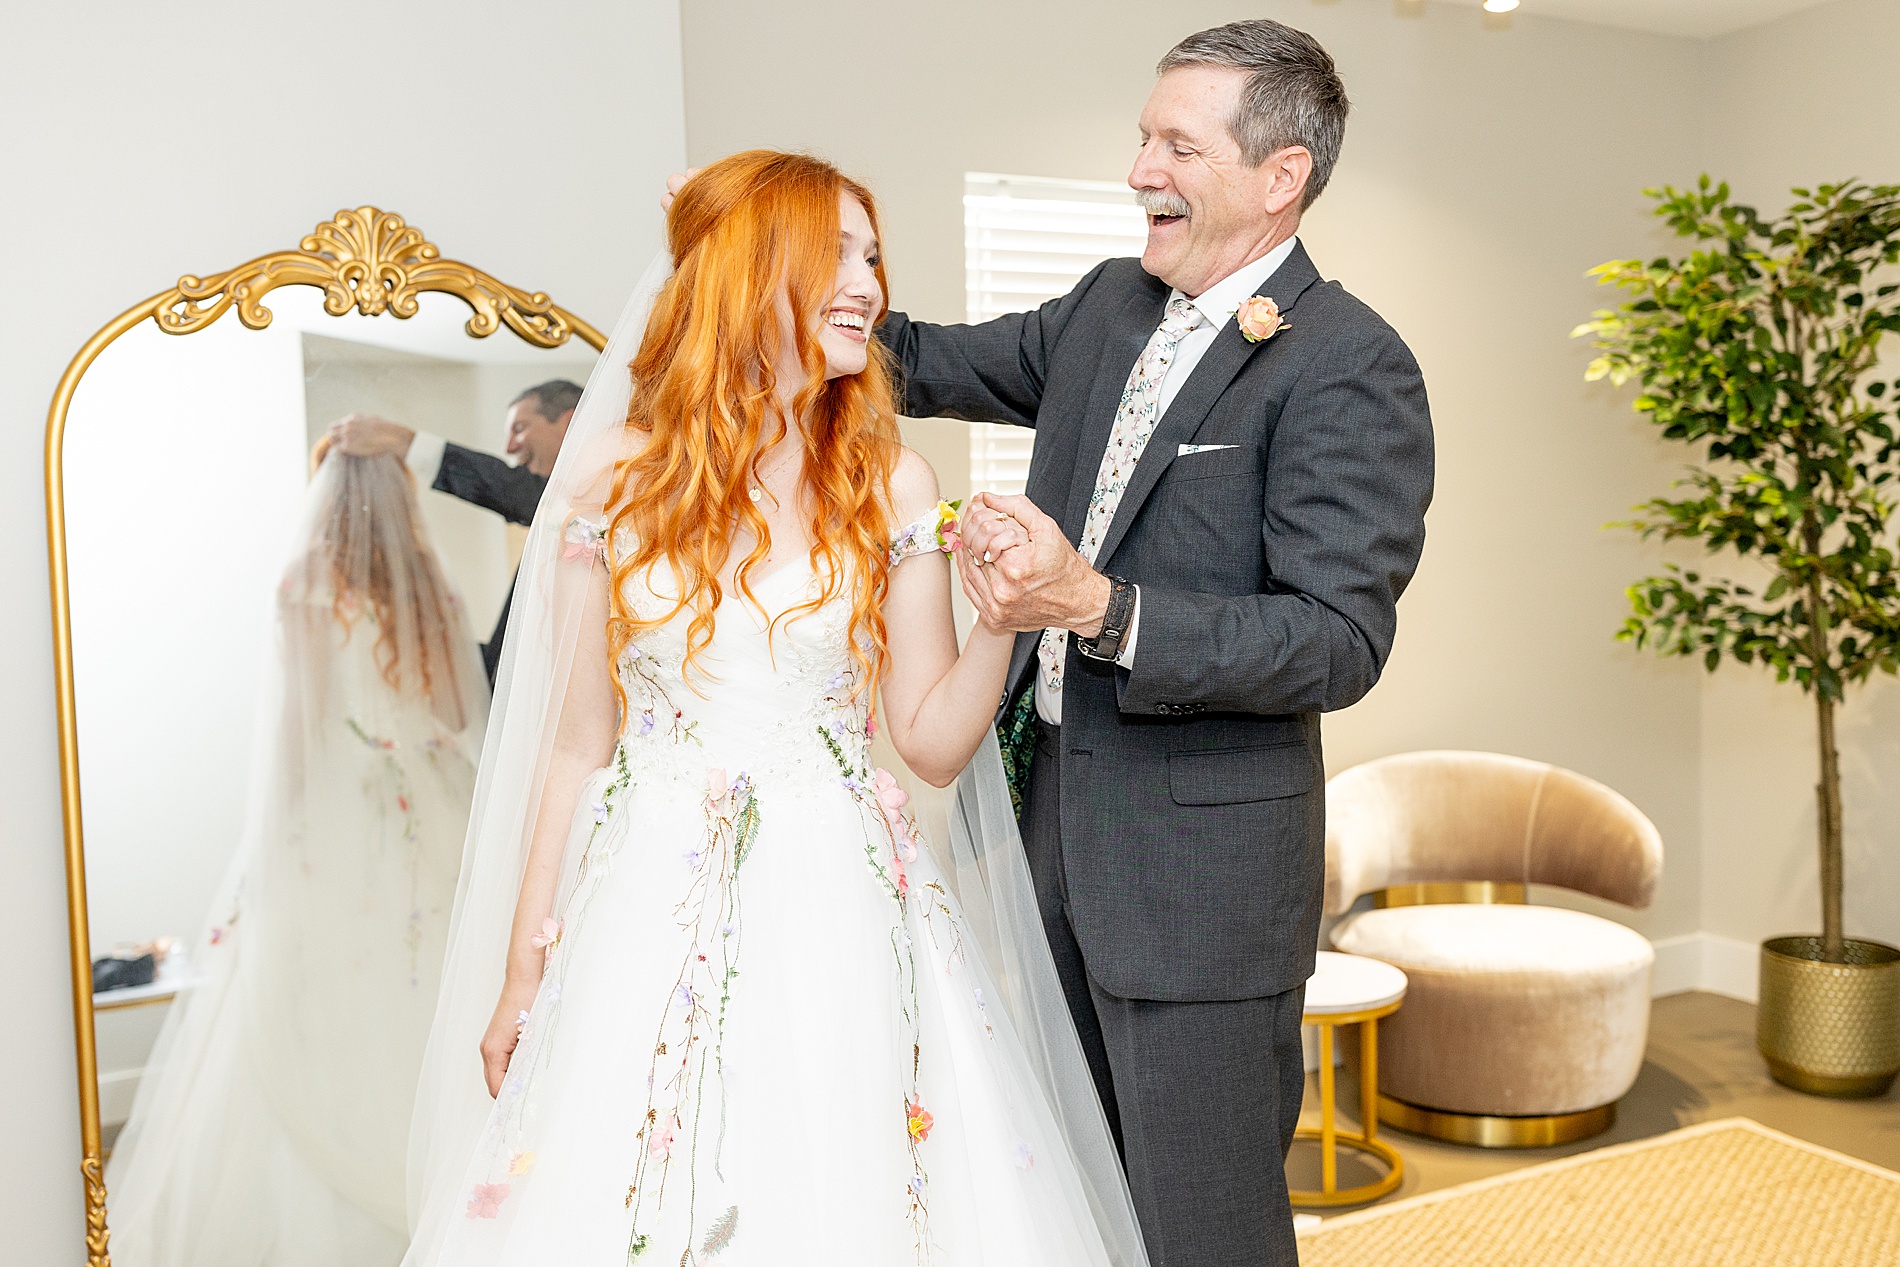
[1233, 460]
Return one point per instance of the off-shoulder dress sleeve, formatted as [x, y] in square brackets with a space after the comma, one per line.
[936, 531]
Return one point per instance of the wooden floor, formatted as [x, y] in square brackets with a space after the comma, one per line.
[1701, 1064]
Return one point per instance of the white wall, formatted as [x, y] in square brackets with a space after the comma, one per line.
[1484, 171]
[1803, 101]
[175, 550]
[144, 142]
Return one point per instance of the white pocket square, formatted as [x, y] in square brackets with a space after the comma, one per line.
[1203, 448]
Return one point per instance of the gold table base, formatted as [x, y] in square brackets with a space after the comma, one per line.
[1331, 1139]
[1489, 1131]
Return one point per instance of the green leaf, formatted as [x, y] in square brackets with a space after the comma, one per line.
[1755, 349]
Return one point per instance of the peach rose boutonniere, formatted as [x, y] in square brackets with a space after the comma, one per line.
[1259, 319]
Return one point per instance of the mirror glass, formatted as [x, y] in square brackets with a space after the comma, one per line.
[188, 482]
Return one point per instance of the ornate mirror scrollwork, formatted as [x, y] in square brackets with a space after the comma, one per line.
[365, 261]
[376, 263]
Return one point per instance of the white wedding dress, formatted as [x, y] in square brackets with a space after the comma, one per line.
[764, 1034]
[271, 1125]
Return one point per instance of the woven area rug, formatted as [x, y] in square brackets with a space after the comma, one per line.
[1730, 1193]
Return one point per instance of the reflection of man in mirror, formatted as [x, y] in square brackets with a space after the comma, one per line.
[537, 423]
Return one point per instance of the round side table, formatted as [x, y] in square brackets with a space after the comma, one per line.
[1350, 990]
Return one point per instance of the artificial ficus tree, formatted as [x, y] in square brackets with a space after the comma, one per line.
[1761, 348]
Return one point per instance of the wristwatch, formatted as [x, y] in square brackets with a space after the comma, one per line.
[1107, 644]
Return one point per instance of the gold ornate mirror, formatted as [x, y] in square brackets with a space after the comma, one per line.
[174, 471]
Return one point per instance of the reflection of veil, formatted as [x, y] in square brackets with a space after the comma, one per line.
[269, 1121]
[544, 628]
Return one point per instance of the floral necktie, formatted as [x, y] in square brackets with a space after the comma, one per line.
[1135, 420]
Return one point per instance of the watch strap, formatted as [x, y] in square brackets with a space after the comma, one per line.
[1107, 644]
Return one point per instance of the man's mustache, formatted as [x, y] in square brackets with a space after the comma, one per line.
[1158, 202]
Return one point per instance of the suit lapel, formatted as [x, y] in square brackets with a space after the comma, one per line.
[1229, 354]
[1127, 334]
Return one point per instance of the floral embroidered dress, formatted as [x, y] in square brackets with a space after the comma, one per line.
[762, 1035]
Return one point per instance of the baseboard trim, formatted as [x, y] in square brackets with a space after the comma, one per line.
[1705, 961]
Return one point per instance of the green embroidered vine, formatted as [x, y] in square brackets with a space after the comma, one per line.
[411, 834]
[711, 914]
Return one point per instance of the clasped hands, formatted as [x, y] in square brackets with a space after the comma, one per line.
[1021, 573]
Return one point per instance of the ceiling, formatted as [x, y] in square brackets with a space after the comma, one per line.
[1695, 18]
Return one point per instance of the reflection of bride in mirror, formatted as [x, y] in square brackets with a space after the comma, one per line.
[271, 1124]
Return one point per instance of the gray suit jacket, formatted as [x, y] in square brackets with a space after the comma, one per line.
[1193, 810]
[513, 492]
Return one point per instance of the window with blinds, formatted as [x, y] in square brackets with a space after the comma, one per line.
[1027, 239]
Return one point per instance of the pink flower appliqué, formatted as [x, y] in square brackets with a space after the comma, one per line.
[717, 784]
[547, 938]
[581, 539]
[486, 1201]
[919, 1119]
[892, 799]
[660, 1139]
[948, 536]
[889, 795]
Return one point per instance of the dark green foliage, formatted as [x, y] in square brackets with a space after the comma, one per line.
[1016, 736]
[1761, 349]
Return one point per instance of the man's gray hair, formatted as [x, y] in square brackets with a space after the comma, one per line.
[552, 398]
[1292, 96]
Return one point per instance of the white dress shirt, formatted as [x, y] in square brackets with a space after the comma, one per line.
[424, 458]
[1217, 305]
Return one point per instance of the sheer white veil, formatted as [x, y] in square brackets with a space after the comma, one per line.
[984, 853]
[452, 1101]
[332, 912]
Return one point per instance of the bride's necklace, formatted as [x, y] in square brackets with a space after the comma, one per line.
[757, 491]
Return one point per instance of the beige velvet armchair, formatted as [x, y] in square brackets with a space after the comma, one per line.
[1523, 1025]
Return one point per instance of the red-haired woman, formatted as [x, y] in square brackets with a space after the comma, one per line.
[747, 1014]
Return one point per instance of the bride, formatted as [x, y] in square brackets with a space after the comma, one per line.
[710, 998]
[257, 1136]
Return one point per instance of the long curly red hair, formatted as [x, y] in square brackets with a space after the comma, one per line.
[704, 384]
[348, 556]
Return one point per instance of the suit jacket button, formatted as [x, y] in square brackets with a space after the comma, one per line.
[1164, 708]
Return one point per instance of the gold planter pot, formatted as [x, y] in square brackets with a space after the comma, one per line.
[1830, 1028]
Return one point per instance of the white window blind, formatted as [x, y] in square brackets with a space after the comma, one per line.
[1028, 239]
